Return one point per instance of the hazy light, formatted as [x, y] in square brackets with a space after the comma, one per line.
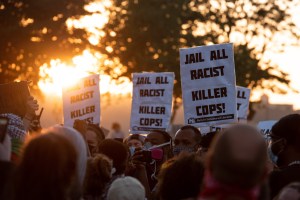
[58, 74]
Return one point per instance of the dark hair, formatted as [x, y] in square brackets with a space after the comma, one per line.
[288, 127]
[97, 130]
[182, 178]
[165, 135]
[98, 174]
[136, 137]
[208, 138]
[116, 151]
[197, 132]
[47, 168]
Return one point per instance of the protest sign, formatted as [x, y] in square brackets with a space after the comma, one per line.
[206, 129]
[243, 96]
[265, 127]
[82, 101]
[13, 98]
[151, 101]
[208, 85]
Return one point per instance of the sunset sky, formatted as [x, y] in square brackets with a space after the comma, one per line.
[87, 62]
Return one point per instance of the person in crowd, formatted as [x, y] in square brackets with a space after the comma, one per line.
[117, 133]
[158, 137]
[98, 174]
[16, 131]
[134, 141]
[30, 119]
[235, 165]
[94, 136]
[47, 169]
[285, 147]
[188, 139]
[6, 167]
[290, 192]
[78, 142]
[206, 141]
[119, 154]
[145, 165]
[126, 188]
[181, 179]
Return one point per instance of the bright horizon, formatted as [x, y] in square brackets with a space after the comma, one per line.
[87, 63]
[289, 63]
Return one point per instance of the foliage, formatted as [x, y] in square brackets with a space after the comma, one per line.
[33, 31]
[146, 34]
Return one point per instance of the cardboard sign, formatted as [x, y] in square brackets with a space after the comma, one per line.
[151, 101]
[208, 85]
[13, 98]
[206, 129]
[82, 101]
[265, 127]
[243, 96]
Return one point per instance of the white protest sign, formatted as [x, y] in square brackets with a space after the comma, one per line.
[208, 85]
[221, 127]
[243, 96]
[265, 127]
[151, 101]
[82, 101]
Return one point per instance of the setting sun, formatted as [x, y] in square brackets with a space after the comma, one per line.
[58, 74]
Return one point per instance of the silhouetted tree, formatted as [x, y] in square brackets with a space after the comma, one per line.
[33, 32]
[146, 35]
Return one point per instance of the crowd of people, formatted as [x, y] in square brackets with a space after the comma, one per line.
[82, 162]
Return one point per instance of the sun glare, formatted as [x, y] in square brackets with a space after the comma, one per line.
[59, 74]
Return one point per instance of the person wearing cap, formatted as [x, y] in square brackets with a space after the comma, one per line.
[284, 148]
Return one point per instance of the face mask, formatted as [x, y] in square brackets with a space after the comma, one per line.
[132, 150]
[273, 157]
[178, 149]
[147, 145]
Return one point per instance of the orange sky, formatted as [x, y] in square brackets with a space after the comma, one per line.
[289, 63]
